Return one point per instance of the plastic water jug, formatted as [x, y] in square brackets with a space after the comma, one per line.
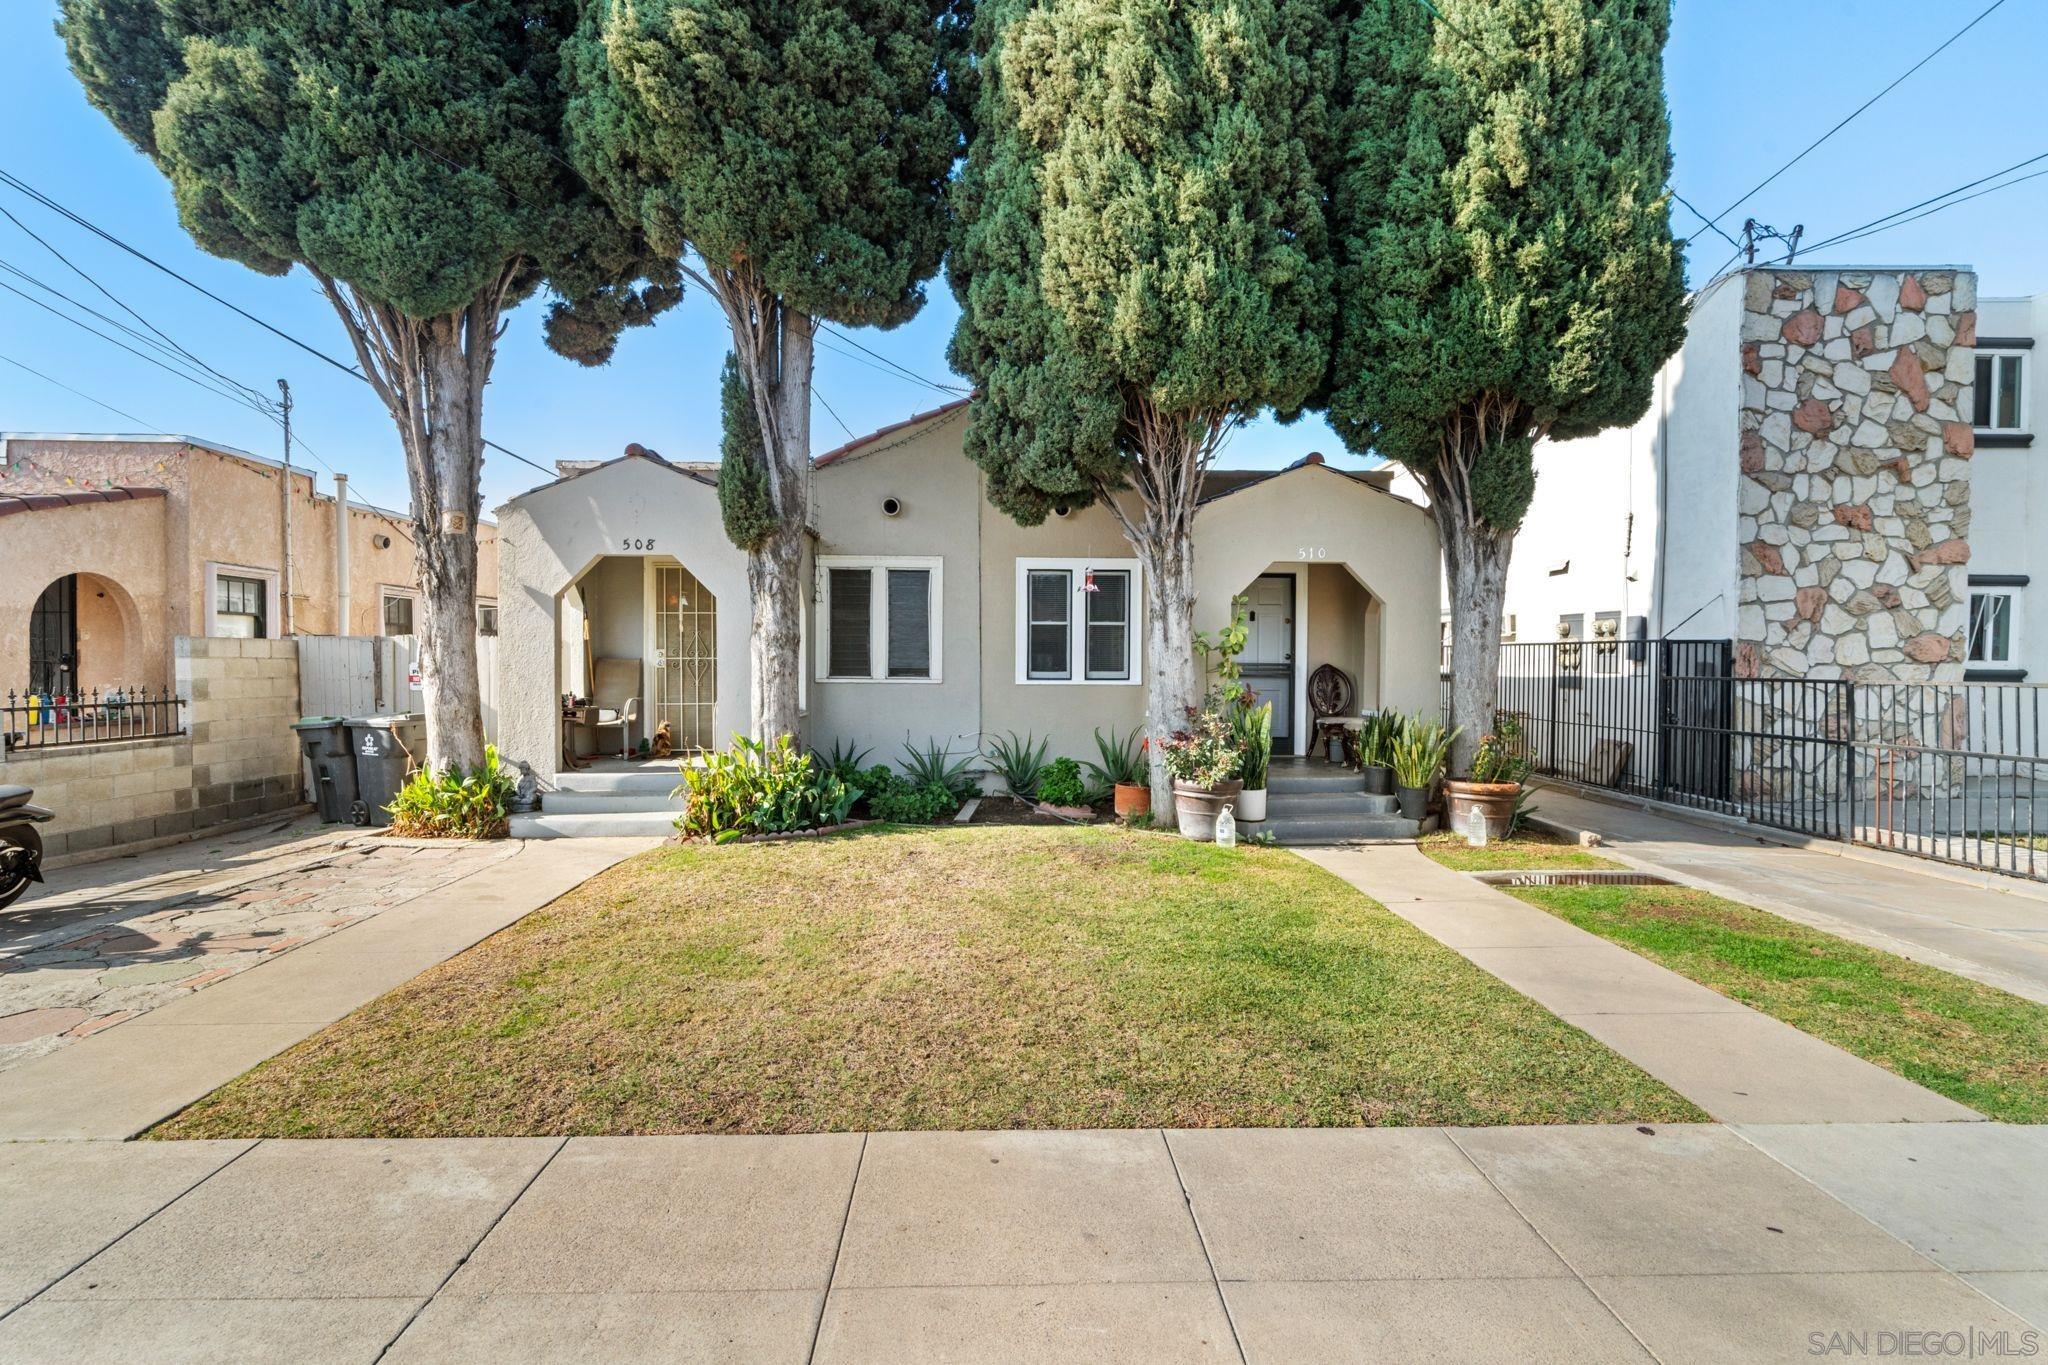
[1226, 828]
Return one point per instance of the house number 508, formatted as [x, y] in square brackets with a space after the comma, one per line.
[1311, 552]
[636, 543]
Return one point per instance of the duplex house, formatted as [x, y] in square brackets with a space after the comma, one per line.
[113, 546]
[932, 616]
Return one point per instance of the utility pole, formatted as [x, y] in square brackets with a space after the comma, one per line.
[284, 498]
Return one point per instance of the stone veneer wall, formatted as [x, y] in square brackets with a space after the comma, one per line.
[237, 759]
[1855, 486]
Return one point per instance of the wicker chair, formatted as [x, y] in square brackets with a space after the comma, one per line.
[1331, 695]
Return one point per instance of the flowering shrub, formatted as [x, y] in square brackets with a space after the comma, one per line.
[1503, 754]
[1207, 752]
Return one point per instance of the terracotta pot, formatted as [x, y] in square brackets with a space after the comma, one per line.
[1196, 808]
[1379, 781]
[1495, 802]
[1133, 798]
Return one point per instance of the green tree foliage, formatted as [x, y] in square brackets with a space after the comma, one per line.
[1506, 266]
[742, 467]
[793, 159]
[1142, 263]
[407, 155]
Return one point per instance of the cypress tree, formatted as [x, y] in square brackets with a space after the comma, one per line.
[742, 468]
[792, 159]
[1142, 264]
[407, 155]
[1507, 270]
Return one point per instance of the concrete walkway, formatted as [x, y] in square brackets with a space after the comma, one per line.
[119, 1081]
[1995, 932]
[1737, 1064]
[1563, 1244]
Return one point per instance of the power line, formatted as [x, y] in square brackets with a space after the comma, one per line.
[1851, 117]
[1946, 199]
[82, 394]
[903, 370]
[1712, 226]
[1871, 231]
[820, 396]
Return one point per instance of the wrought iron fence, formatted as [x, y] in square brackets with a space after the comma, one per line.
[1956, 772]
[31, 721]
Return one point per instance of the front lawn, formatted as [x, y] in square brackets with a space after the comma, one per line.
[1976, 1044]
[943, 978]
[1528, 849]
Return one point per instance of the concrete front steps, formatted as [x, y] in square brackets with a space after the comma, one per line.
[1320, 804]
[593, 804]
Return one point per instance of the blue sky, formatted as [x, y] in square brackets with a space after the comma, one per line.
[1750, 83]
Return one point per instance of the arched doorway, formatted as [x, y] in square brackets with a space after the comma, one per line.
[638, 635]
[53, 640]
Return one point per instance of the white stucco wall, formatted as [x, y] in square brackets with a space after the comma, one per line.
[551, 535]
[2009, 485]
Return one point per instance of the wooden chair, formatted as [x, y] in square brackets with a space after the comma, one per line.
[1331, 695]
[615, 687]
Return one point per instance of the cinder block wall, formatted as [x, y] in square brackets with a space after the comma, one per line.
[237, 759]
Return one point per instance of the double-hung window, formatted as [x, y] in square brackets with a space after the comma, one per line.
[2001, 391]
[240, 608]
[1994, 622]
[398, 613]
[1077, 621]
[880, 619]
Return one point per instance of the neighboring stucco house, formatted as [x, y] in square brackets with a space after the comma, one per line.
[113, 546]
[1836, 474]
[933, 616]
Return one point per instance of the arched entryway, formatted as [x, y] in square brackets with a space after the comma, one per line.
[636, 649]
[85, 633]
[1304, 615]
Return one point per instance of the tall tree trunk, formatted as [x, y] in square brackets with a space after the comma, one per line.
[1476, 571]
[1172, 683]
[431, 374]
[774, 345]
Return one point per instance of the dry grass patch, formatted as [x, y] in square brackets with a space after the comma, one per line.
[1527, 849]
[947, 978]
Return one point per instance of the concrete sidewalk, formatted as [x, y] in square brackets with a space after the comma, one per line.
[1737, 1064]
[1999, 937]
[116, 1083]
[1565, 1244]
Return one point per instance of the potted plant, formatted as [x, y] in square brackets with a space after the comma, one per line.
[1418, 756]
[1254, 727]
[1494, 786]
[1203, 759]
[1121, 773]
[1376, 752]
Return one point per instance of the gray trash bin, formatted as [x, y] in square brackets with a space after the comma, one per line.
[386, 749]
[324, 742]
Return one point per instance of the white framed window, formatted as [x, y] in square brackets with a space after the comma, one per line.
[487, 618]
[1078, 621]
[242, 602]
[879, 619]
[2001, 391]
[1994, 627]
[396, 613]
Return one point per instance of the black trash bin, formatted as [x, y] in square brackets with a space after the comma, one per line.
[386, 749]
[324, 742]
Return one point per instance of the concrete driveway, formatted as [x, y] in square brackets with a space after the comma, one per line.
[1698, 1243]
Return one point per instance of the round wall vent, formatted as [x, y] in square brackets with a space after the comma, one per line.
[892, 506]
[1061, 511]
[381, 542]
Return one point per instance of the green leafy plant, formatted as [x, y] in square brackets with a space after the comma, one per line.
[1020, 764]
[1061, 784]
[1502, 755]
[1522, 811]
[844, 761]
[1205, 754]
[935, 763]
[902, 804]
[1253, 726]
[757, 788]
[1376, 739]
[1219, 650]
[447, 803]
[1122, 761]
[1419, 751]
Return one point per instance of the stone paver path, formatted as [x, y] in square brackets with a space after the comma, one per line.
[1736, 1063]
[100, 958]
[1680, 1243]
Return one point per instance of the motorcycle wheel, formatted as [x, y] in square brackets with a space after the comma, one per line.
[13, 884]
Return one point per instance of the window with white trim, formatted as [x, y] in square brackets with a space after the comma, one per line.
[241, 607]
[397, 614]
[1077, 621]
[2001, 391]
[1994, 627]
[487, 618]
[878, 619]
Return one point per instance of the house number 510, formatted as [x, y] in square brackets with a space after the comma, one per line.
[1311, 552]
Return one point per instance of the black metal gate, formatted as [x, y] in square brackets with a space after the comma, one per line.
[53, 640]
[1695, 707]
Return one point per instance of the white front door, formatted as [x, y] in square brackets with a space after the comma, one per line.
[1268, 658]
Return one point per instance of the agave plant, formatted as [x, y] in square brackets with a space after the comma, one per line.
[1123, 762]
[1020, 764]
[934, 763]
